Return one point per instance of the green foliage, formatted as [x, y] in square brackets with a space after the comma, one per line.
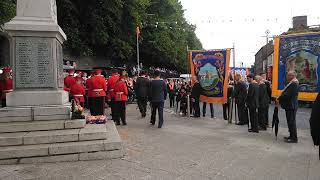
[107, 28]
[7, 11]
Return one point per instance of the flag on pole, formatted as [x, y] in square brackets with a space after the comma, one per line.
[138, 31]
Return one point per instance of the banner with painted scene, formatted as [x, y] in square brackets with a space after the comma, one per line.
[299, 53]
[243, 71]
[211, 68]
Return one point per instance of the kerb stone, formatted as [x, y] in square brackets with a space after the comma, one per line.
[50, 159]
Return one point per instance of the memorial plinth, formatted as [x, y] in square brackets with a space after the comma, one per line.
[36, 53]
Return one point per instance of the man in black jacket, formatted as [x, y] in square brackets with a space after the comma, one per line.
[263, 103]
[253, 103]
[289, 102]
[142, 90]
[195, 95]
[240, 94]
[157, 96]
[269, 92]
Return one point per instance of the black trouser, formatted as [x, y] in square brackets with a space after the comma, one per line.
[196, 107]
[120, 112]
[3, 102]
[204, 109]
[291, 120]
[266, 115]
[262, 117]
[242, 113]
[171, 97]
[253, 118]
[112, 107]
[96, 105]
[157, 106]
[226, 110]
[142, 104]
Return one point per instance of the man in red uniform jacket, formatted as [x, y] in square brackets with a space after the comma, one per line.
[77, 91]
[69, 81]
[111, 83]
[121, 97]
[97, 92]
[6, 85]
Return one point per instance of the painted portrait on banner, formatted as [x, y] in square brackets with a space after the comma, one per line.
[211, 70]
[299, 53]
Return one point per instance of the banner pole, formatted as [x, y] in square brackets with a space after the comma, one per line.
[234, 75]
[138, 54]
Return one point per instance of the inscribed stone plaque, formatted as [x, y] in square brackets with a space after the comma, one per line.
[34, 63]
[60, 64]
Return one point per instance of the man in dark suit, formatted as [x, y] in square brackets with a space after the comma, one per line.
[157, 96]
[253, 103]
[269, 91]
[263, 103]
[289, 102]
[226, 106]
[240, 94]
[142, 89]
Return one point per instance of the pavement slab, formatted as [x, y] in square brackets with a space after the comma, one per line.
[191, 149]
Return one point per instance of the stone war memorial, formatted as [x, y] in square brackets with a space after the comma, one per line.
[36, 126]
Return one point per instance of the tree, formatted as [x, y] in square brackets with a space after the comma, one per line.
[7, 11]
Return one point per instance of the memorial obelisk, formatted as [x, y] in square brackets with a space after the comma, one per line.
[36, 55]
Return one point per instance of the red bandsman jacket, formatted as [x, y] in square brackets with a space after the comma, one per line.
[77, 91]
[96, 86]
[111, 83]
[6, 86]
[69, 81]
[120, 91]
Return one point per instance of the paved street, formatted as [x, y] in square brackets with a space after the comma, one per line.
[189, 149]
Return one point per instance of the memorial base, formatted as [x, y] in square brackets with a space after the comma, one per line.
[36, 98]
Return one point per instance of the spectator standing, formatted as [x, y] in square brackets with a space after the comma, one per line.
[263, 103]
[240, 94]
[172, 92]
[226, 106]
[157, 97]
[195, 98]
[253, 103]
[289, 102]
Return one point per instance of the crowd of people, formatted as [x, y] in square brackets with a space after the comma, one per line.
[252, 96]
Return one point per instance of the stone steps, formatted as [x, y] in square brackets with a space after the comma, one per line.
[8, 127]
[83, 149]
[90, 132]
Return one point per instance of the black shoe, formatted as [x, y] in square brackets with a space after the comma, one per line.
[118, 124]
[143, 115]
[203, 115]
[253, 131]
[240, 124]
[286, 138]
[262, 129]
[291, 140]
[152, 123]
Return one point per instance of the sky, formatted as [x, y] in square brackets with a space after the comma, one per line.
[244, 23]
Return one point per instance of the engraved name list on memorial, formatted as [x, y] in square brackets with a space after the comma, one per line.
[34, 64]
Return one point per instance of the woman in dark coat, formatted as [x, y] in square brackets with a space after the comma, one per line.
[315, 121]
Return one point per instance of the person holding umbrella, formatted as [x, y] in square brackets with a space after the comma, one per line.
[289, 102]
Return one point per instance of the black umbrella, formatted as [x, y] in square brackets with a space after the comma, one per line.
[275, 121]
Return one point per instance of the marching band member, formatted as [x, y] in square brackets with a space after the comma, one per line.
[78, 91]
[96, 92]
[6, 85]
